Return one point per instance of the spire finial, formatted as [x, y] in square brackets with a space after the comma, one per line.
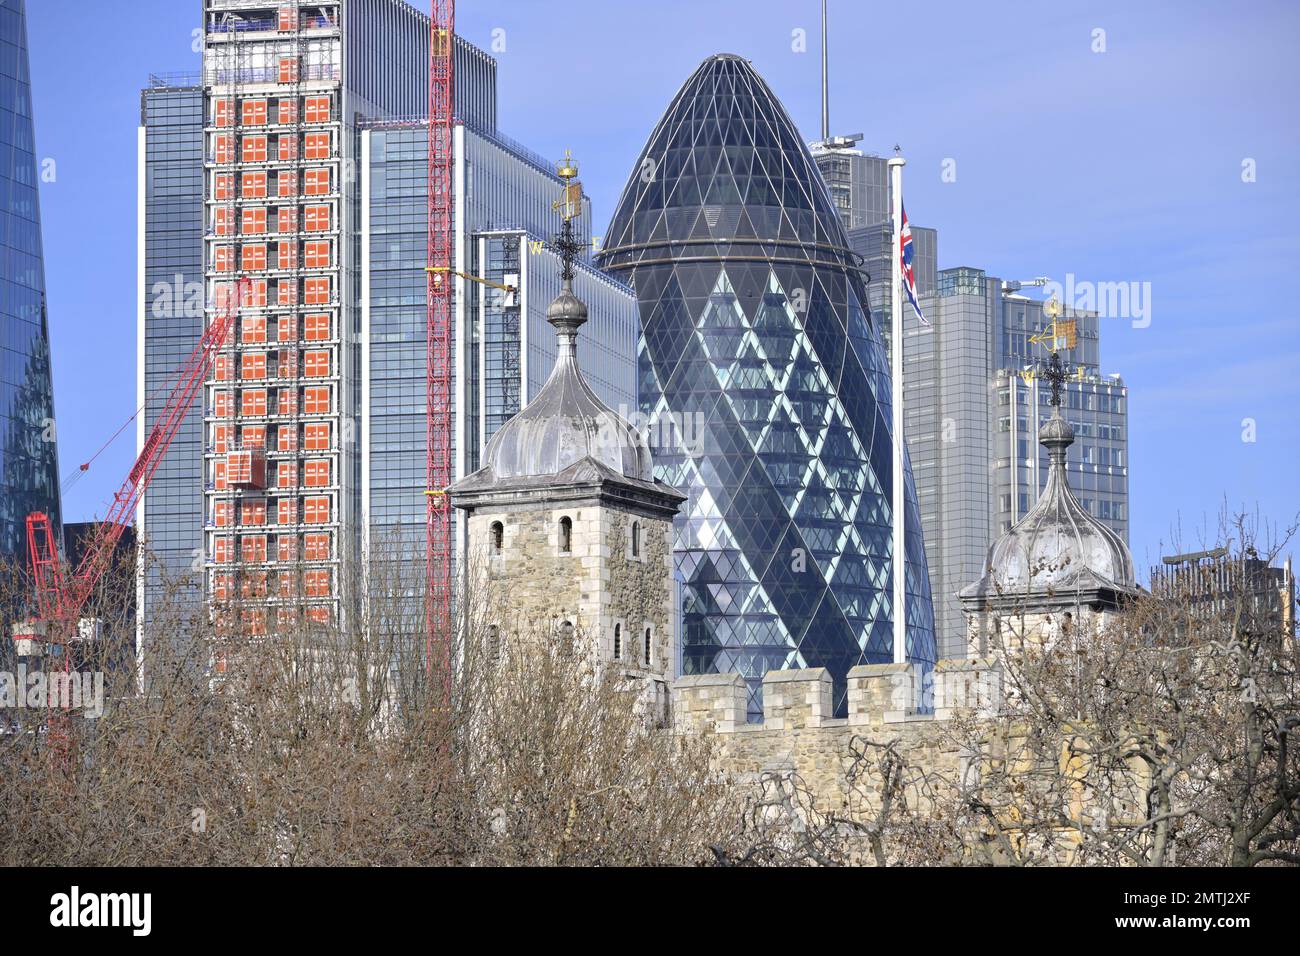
[569, 206]
[567, 313]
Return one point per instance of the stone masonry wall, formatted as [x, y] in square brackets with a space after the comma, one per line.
[595, 585]
[799, 734]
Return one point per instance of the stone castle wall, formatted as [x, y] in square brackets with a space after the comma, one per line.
[799, 734]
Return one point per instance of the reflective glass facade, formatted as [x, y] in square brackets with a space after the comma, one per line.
[758, 346]
[28, 460]
[171, 322]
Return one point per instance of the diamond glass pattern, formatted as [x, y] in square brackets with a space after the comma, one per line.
[758, 346]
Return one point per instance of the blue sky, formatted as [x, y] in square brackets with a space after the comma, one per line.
[1117, 166]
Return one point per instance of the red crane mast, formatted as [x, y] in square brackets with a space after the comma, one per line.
[61, 597]
[438, 530]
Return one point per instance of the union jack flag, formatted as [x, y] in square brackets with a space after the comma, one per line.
[905, 253]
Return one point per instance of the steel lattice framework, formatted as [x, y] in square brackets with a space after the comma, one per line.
[440, 278]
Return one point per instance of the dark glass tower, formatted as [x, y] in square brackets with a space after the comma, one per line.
[758, 345]
[28, 461]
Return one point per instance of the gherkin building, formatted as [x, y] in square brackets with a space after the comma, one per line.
[766, 386]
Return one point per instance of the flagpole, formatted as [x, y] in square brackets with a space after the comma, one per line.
[899, 504]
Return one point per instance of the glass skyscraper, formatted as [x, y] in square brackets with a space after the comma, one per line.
[28, 459]
[297, 159]
[758, 345]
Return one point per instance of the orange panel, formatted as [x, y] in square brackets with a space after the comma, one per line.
[316, 400]
[316, 364]
[288, 147]
[252, 401]
[286, 511]
[255, 296]
[286, 293]
[253, 512]
[317, 109]
[252, 329]
[287, 401]
[287, 255]
[223, 221]
[286, 547]
[252, 257]
[316, 254]
[253, 584]
[253, 220]
[254, 112]
[316, 146]
[223, 112]
[288, 112]
[286, 438]
[316, 290]
[221, 513]
[252, 436]
[220, 438]
[316, 510]
[316, 182]
[286, 328]
[289, 69]
[286, 185]
[287, 219]
[223, 259]
[288, 367]
[223, 147]
[316, 583]
[223, 186]
[286, 475]
[253, 149]
[252, 548]
[316, 436]
[316, 547]
[316, 474]
[221, 369]
[316, 328]
[223, 550]
[317, 218]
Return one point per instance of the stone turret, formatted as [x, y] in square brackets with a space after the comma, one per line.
[568, 522]
[1057, 568]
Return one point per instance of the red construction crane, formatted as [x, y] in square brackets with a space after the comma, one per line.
[438, 524]
[61, 597]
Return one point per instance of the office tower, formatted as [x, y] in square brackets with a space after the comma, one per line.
[307, 415]
[974, 409]
[170, 225]
[1242, 588]
[755, 336]
[29, 471]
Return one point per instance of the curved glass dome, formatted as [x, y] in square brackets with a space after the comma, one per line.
[758, 347]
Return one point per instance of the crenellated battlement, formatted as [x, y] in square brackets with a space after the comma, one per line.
[879, 695]
[799, 733]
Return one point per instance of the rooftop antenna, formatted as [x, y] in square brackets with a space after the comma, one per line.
[826, 94]
[828, 141]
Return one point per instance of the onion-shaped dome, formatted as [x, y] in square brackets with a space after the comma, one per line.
[566, 423]
[1057, 551]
